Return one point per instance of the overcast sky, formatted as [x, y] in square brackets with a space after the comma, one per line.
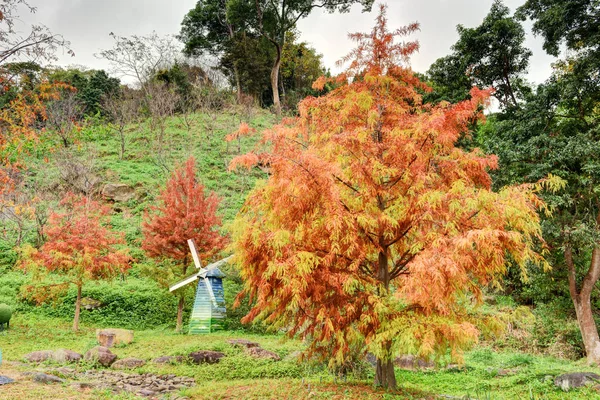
[87, 24]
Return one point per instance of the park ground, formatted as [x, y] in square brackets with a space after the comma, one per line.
[487, 374]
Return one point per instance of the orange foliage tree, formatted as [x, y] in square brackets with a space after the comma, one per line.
[373, 228]
[80, 247]
[17, 125]
[185, 212]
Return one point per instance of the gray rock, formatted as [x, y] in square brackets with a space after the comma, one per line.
[5, 380]
[60, 356]
[575, 380]
[242, 343]
[129, 363]
[66, 356]
[205, 356]
[111, 337]
[411, 363]
[118, 192]
[39, 356]
[147, 392]
[258, 352]
[101, 355]
[45, 378]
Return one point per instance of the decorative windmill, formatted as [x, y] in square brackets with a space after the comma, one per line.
[209, 307]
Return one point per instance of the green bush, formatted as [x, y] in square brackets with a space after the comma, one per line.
[134, 303]
[5, 313]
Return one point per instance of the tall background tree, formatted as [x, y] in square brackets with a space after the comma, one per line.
[490, 55]
[556, 131]
[216, 26]
[373, 224]
[79, 248]
[206, 29]
[185, 212]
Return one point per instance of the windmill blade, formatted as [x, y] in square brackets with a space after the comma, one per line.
[200, 274]
[184, 282]
[210, 292]
[217, 264]
[192, 245]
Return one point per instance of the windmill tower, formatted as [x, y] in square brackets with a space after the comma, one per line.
[208, 312]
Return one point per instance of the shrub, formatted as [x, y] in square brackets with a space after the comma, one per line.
[134, 304]
[5, 313]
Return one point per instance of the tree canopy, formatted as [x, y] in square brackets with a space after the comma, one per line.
[184, 213]
[489, 55]
[373, 227]
[80, 247]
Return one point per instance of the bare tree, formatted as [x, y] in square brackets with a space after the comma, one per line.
[122, 111]
[140, 57]
[64, 116]
[38, 44]
[162, 103]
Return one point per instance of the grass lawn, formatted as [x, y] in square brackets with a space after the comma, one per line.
[487, 375]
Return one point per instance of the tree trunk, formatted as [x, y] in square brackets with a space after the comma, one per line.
[582, 301]
[238, 83]
[236, 72]
[275, 80]
[77, 310]
[589, 331]
[385, 376]
[180, 313]
[122, 153]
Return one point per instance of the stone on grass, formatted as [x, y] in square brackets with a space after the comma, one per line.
[118, 192]
[5, 380]
[129, 363]
[64, 356]
[45, 378]
[39, 356]
[242, 343]
[410, 362]
[576, 379]
[169, 360]
[258, 352]
[206, 357]
[101, 355]
[111, 337]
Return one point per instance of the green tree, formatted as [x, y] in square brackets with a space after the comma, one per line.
[491, 54]
[448, 78]
[557, 131]
[273, 19]
[301, 65]
[250, 57]
[206, 29]
[92, 86]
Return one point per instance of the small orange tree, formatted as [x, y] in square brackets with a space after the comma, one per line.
[184, 213]
[373, 226]
[79, 248]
